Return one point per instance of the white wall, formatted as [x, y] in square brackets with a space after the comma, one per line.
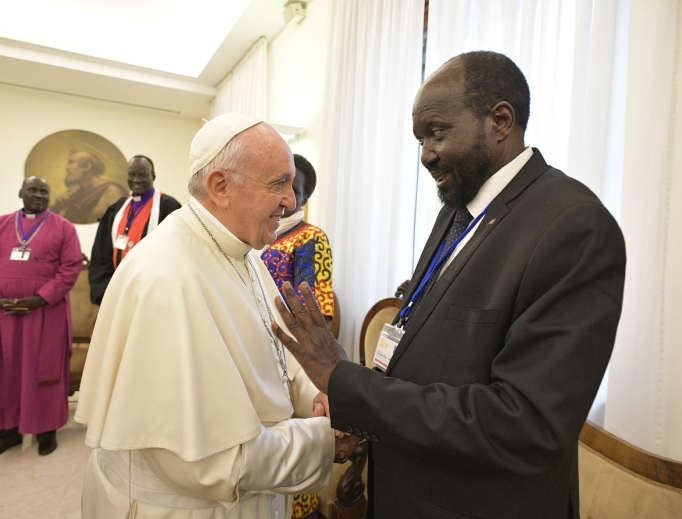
[28, 116]
[297, 84]
[297, 72]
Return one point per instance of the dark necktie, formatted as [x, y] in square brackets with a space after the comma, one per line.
[459, 224]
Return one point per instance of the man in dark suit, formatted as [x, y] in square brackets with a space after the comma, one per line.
[479, 410]
[126, 222]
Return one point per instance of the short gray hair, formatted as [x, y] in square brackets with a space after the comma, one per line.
[231, 159]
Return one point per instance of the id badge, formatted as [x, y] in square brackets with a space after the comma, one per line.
[121, 242]
[20, 254]
[388, 341]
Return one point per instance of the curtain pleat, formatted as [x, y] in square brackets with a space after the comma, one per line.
[643, 405]
[566, 49]
[600, 74]
[244, 90]
[369, 157]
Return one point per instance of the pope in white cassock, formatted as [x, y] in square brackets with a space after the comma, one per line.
[193, 408]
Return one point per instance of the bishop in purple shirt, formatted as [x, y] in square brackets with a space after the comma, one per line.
[40, 259]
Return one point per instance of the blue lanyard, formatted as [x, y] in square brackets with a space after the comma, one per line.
[438, 260]
[131, 216]
[25, 236]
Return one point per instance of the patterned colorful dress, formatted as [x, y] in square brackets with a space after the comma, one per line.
[303, 254]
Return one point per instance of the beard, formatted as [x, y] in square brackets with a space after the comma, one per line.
[73, 178]
[473, 170]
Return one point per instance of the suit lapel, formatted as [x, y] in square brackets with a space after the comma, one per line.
[535, 166]
[440, 229]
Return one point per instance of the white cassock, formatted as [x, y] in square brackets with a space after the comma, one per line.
[183, 392]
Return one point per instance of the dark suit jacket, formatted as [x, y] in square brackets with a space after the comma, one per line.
[479, 413]
[102, 260]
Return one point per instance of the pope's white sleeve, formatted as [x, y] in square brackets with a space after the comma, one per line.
[302, 393]
[214, 478]
[293, 456]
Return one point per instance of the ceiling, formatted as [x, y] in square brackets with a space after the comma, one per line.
[163, 55]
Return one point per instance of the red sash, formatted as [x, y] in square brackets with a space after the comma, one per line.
[136, 229]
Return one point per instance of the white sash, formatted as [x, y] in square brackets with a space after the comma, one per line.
[129, 473]
[153, 217]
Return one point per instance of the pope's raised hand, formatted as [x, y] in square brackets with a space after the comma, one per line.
[313, 345]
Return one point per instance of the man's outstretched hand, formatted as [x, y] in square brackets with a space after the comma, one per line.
[314, 347]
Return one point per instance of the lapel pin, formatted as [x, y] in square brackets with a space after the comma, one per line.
[492, 221]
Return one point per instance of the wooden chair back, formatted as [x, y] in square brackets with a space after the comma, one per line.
[83, 312]
[83, 315]
[621, 481]
[381, 313]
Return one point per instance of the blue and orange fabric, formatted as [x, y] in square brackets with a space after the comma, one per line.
[303, 254]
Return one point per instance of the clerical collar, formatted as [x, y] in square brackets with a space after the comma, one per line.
[144, 196]
[232, 245]
[33, 216]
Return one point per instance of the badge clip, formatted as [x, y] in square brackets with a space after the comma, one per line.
[388, 341]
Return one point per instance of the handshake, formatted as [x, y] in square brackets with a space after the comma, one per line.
[316, 350]
[345, 443]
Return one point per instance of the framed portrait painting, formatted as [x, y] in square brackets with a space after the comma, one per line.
[86, 172]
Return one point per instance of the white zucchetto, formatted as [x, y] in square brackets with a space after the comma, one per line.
[213, 137]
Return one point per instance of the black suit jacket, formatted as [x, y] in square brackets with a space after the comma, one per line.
[102, 259]
[479, 413]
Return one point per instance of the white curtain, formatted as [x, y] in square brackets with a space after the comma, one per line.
[244, 90]
[366, 196]
[671, 386]
[601, 80]
[573, 54]
[644, 402]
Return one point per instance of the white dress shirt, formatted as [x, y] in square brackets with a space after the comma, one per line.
[489, 190]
